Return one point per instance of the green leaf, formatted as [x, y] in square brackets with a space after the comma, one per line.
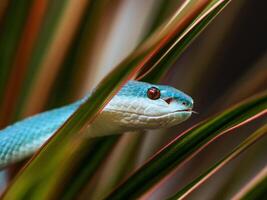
[181, 194]
[11, 29]
[163, 10]
[68, 146]
[186, 145]
[157, 68]
[96, 150]
[120, 162]
[81, 50]
[23, 51]
[40, 50]
[178, 16]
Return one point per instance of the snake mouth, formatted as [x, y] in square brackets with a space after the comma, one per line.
[184, 110]
[187, 111]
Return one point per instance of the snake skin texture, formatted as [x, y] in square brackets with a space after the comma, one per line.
[131, 107]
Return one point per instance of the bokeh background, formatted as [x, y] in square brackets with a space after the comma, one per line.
[54, 52]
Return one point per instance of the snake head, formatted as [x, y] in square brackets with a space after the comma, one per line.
[147, 106]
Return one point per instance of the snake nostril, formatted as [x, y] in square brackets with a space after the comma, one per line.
[169, 100]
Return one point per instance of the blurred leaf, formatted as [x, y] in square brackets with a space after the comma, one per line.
[181, 15]
[120, 162]
[203, 23]
[40, 50]
[67, 144]
[255, 189]
[248, 83]
[163, 11]
[185, 146]
[181, 194]
[13, 22]
[21, 58]
[53, 40]
[160, 67]
[167, 57]
[88, 166]
[54, 54]
[3, 6]
[180, 21]
[212, 40]
[78, 58]
[127, 155]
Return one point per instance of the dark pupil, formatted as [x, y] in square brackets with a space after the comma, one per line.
[153, 93]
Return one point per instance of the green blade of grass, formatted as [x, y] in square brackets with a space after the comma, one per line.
[183, 193]
[186, 145]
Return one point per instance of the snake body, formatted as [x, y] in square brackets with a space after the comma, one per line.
[130, 108]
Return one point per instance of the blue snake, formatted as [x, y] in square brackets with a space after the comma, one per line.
[138, 105]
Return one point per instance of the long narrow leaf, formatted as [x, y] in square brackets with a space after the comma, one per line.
[78, 59]
[185, 145]
[183, 193]
[70, 135]
[12, 26]
[159, 67]
[120, 163]
[20, 61]
[46, 34]
[255, 189]
[68, 143]
[206, 18]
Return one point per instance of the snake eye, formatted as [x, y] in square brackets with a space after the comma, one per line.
[153, 93]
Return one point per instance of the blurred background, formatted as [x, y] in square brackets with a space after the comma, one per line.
[54, 52]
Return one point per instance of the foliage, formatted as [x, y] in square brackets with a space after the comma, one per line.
[51, 49]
